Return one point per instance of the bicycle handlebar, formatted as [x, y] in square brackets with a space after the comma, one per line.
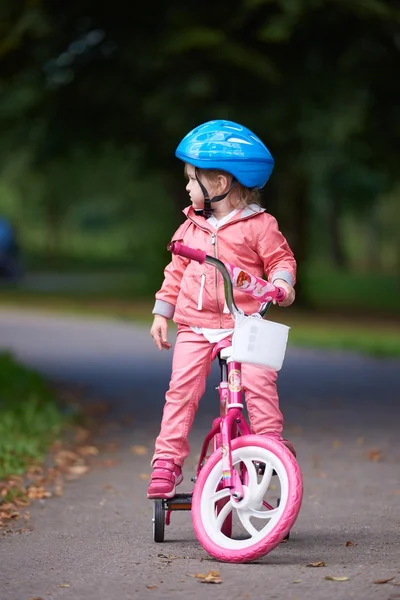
[187, 252]
[259, 288]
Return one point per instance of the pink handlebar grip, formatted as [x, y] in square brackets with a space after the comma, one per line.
[281, 295]
[192, 253]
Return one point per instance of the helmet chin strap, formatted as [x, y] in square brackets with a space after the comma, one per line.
[207, 211]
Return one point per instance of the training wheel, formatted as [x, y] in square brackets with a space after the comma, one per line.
[158, 520]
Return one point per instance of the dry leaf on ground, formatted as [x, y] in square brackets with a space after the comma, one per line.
[210, 577]
[139, 450]
[375, 455]
[350, 543]
[319, 563]
[152, 587]
[77, 471]
[64, 585]
[331, 578]
[88, 451]
[38, 493]
[384, 580]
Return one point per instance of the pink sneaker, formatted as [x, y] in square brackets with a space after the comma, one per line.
[165, 477]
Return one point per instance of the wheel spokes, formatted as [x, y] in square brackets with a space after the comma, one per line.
[258, 489]
[224, 493]
[263, 514]
[245, 520]
[223, 514]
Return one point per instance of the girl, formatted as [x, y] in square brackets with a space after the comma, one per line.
[225, 165]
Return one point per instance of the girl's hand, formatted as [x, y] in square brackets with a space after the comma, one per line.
[159, 332]
[290, 293]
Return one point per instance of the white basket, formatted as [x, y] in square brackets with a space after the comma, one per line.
[259, 342]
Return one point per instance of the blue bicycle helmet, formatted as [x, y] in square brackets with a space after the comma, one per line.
[230, 147]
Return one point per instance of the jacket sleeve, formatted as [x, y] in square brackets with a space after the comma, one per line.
[274, 251]
[167, 295]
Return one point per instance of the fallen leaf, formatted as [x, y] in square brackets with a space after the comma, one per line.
[330, 578]
[210, 577]
[81, 435]
[64, 585]
[58, 490]
[319, 563]
[66, 457]
[350, 543]
[77, 470]
[297, 581]
[384, 580]
[152, 587]
[37, 492]
[109, 462]
[88, 451]
[139, 450]
[375, 455]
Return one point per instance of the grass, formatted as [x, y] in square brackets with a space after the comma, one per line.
[374, 337]
[29, 417]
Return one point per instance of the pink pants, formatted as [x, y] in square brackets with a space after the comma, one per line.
[191, 364]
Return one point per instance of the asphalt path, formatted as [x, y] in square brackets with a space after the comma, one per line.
[342, 411]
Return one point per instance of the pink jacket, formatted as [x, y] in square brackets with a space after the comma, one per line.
[193, 294]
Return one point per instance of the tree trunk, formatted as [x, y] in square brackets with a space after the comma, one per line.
[338, 254]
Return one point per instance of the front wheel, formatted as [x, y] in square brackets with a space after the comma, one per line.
[258, 527]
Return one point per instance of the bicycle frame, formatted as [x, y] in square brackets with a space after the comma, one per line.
[231, 421]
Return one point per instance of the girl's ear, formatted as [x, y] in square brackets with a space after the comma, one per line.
[223, 183]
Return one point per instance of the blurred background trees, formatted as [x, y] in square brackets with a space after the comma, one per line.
[95, 97]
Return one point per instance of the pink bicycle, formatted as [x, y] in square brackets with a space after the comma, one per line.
[248, 492]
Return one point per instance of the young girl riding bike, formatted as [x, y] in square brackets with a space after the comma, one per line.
[225, 165]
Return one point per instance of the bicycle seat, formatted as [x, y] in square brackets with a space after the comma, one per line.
[220, 346]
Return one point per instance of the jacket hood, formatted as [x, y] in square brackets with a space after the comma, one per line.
[248, 211]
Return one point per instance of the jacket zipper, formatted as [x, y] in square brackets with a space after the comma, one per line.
[214, 243]
[200, 301]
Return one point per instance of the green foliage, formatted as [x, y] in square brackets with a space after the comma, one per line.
[29, 417]
[84, 97]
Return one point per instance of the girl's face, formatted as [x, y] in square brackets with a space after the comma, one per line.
[193, 188]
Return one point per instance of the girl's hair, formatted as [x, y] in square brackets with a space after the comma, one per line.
[246, 195]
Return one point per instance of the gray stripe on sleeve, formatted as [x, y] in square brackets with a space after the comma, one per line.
[165, 309]
[285, 275]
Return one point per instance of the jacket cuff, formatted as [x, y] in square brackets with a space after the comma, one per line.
[163, 308]
[285, 275]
